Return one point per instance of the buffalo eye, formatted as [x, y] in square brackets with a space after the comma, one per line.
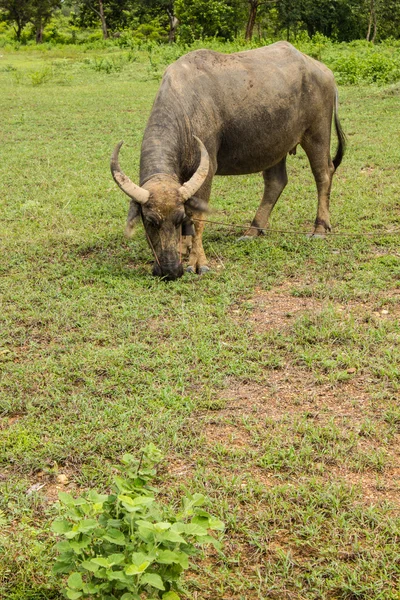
[150, 221]
[179, 219]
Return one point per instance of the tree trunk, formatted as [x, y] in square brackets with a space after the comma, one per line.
[103, 20]
[251, 20]
[39, 32]
[173, 26]
[18, 31]
[372, 21]
[375, 27]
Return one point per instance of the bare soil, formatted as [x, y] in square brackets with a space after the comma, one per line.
[293, 391]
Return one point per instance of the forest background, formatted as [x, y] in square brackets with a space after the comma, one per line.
[185, 21]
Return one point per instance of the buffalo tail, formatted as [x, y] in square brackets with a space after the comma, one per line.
[341, 136]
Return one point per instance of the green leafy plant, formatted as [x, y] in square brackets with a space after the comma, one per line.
[370, 66]
[41, 76]
[125, 545]
[113, 64]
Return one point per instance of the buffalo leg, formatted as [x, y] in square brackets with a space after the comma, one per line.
[275, 180]
[197, 257]
[186, 245]
[317, 150]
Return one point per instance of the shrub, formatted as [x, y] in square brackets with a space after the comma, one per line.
[41, 76]
[149, 31]
[312, 46]
[347, 69]
[103, 64]
[381, 69]
[124, 545]
[95, 36]
[373, 66]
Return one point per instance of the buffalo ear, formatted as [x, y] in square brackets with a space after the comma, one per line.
[196, 204]
[133, 215]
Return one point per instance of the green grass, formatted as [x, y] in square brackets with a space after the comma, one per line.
[291, 430]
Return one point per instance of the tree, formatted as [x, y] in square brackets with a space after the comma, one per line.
[42, 12]
[204, 19]
[17, 13]
[254, 5]
[21, 12]
[110, 14]
[342, 20]
[115, 15]
[289, 15]
[102, 19]
[87, 13]
[158, 8]
[371, 21]
[388, 19]
[151, 9]
[173, 26]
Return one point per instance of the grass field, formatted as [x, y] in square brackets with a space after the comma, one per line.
[271, 384]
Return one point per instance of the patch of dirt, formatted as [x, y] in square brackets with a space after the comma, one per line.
[221, 432]
[292, 393]
[8, 421]
[274, 309]
[375, 487]
[180, 469]
[51, 491]
[211, 562]
[277, 308]
[49, 485]
[378, 251]
[367, 170]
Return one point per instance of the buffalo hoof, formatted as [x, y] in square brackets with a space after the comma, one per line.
[203, 270]
[190, 270]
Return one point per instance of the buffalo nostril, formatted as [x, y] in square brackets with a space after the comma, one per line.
[157, 270]
[168, 273]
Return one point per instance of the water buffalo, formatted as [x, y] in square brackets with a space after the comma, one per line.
[229, 114]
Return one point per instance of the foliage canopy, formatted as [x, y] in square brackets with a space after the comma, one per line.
[189, 20]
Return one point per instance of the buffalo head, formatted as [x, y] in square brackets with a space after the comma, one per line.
[165, 206]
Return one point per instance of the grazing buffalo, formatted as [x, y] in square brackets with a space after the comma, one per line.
[229, 114]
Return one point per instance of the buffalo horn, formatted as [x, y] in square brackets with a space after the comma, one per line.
[131, 189]
[189, 188]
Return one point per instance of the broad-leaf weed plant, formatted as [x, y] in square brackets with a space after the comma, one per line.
[125, 545]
